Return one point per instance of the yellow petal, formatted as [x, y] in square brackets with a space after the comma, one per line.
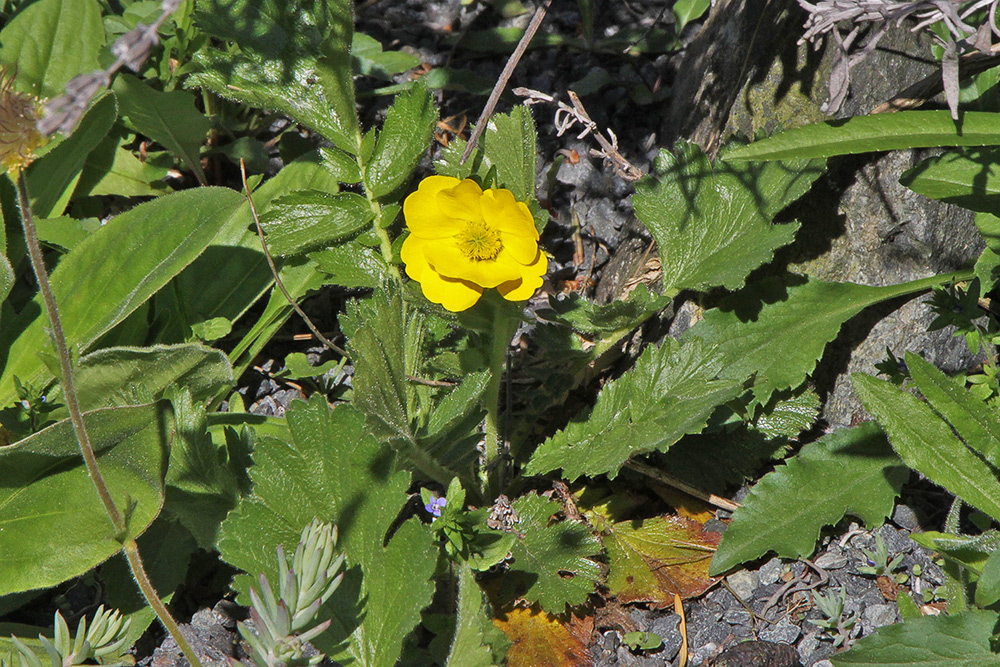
[461, 202]
[412, 254]
[503, 212]
[446, 258]
[454, 295]
[424, 217]
[531, 279]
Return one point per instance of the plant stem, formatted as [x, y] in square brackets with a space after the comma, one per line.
[505, 323]
[76, 417]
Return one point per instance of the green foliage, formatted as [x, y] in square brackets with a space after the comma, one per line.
[54, 525]
[672, 391]
[305, 219]
[850, 471]
[551, 564]
[401, 143]
[712, 222]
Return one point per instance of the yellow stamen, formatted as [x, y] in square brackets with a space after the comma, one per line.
[479, 241]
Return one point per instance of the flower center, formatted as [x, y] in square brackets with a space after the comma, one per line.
[479, 241]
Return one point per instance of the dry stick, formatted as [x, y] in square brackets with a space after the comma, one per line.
[274, 271]
[505, 75]
[670, 480]
[76, 417]
[932, 85]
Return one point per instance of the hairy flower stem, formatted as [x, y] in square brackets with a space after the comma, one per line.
[76, 417]
[505, 321]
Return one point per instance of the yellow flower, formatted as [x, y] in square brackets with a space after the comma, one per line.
[18, 136]
[464, 239]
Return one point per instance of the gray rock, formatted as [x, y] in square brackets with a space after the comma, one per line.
[782, 633]
[770, 571]
[904, 517]
[878, 615]
[743, 583]
[831, 560]
[739, 617]
[667, 627]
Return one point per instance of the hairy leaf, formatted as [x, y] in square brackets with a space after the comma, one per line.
[469, 646]
[509, 145]
[962, 640]
[307, 219]
[334, 469]
[651, 560]
[540, 638]
[975, 422]
[351, 264]
[114, 270]
[405, 137]
[6, 278]
[927, 444]
[777, 332]
[50, 42]
[712, 223]
[851, 471]
[294, 60]
[551, 564]
[880, 132]
[168, 118]
[671, 391]
[53, 526]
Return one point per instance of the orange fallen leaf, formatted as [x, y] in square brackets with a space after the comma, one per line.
[540, 639]
[652, 560]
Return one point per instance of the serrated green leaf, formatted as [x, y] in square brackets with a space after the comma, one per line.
[351, 264]
[50, 42]
[385, 340]
[965, 178]
[468, 647]
[509, 144]
[116, 269]
[306, 219]
[53, 177]
[850, 471]
[927, 444]
[336, 470]
[881, 132]
[962, 640]
[551, 564]
[292, 60]
[168, 118]
[789, 416]
[671, 391]
[341, 165]
[975, 422]
[712, 223]
[988, 586]
[113, 373]
[612, 320]
[778, 332]
[405, 137]
[716, 461]
[52, 525]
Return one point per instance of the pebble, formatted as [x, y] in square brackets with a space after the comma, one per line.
[878, 615]
[783, 633]
[743, 583]
[831, 560]
[770, 572]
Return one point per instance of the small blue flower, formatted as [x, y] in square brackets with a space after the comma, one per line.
[435, 505]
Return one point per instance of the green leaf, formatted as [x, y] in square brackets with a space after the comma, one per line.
[370, 60]
[405, 137]
[610, 320]
[114, 270]
[551, 563]
[468, 647]
[712, 223]
[113, 373]
[965, 178]
[50, 42]
[881, 132]
[53, 177]
[671, 391]
[988, 586]
[306, 219]
[170, 119]
[931, 641]
[850, 471]
[112, 169]
[927, 444]
[975, 422]
[6, 278]
[334, 469]
[385, 337]
[686, 11]
[777, 332]
[294, 60]
[509, 145]
[351, 264]
[52, 524]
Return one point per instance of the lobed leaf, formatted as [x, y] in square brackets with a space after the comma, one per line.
[671, 391]
[712, 223]
[540, 638]
[880, 132]
[307, 219]
[53, 526]
[509, 145]
[962, 640]
[850, 471]
[405, 137]
[351, 264]
[927, 444]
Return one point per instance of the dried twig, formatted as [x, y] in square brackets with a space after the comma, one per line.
[670, 480]
[567, 116]
[274, 271]
[505, 75]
